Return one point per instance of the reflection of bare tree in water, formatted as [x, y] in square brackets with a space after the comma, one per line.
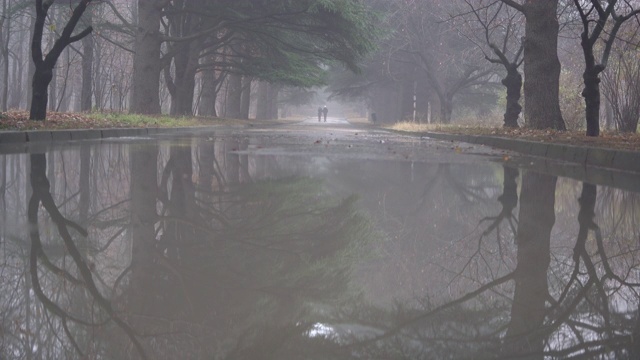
[545, 308]
[3, 198]
[41, 196]
[3, 187]
[593, 287]
[465, 192]
[509, 201]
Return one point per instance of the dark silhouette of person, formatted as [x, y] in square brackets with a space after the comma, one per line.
[319, 113]
[325, 111]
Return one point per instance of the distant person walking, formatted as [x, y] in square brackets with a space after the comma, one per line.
[325, 111]
[319, 113]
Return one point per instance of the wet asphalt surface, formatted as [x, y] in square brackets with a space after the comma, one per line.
[338, 138]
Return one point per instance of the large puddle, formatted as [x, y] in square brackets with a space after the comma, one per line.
[267, 245]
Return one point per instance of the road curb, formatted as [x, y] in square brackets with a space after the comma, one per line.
[606, 158]
[45, 136]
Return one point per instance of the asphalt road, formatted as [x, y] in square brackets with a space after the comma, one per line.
[330, 120]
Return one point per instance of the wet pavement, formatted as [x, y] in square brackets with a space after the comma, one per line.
[315, 241]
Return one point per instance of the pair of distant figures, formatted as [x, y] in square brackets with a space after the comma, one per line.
[322, 111]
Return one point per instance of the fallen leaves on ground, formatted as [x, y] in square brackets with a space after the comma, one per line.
[607, 139]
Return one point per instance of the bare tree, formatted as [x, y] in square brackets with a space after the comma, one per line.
[621, 88]
[594, 16]
[434, 46]
[88, 44]
[44, 64]
[502, 24]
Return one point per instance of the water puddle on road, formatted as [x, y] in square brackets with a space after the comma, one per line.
[283, 244]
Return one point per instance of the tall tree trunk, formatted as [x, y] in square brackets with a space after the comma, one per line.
[87, 69]
[99, 92]
[31, 70]
[591, 94]
[209, 93]
[446, 108]
[182, 97]
[53, 86]
[262, 105]
[609, 121]
[40, 93]
[274, 90]
[542, 66]
[5, 33]
[234, 96]
[245, 102]
[591, 91]
[145, 93]
[183, 84]
[513, 83]
[18, 91]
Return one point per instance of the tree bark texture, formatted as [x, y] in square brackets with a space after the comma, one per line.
[542, 66]
[513, 83]
[87, 71]
[245, 101]
[5, 33]
[591, 91]
[184, 80]
[446, 108]
[234, 96]
[274, 90]
[31, 68]
[147, 65]
[186, 54]
[209, 93]
[263, 102]
[591, 94]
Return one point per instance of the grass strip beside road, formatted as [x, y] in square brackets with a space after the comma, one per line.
[19, 121]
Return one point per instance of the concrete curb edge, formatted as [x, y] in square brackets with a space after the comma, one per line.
[606, 158]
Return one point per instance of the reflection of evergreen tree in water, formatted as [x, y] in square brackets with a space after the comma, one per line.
[233, 261]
